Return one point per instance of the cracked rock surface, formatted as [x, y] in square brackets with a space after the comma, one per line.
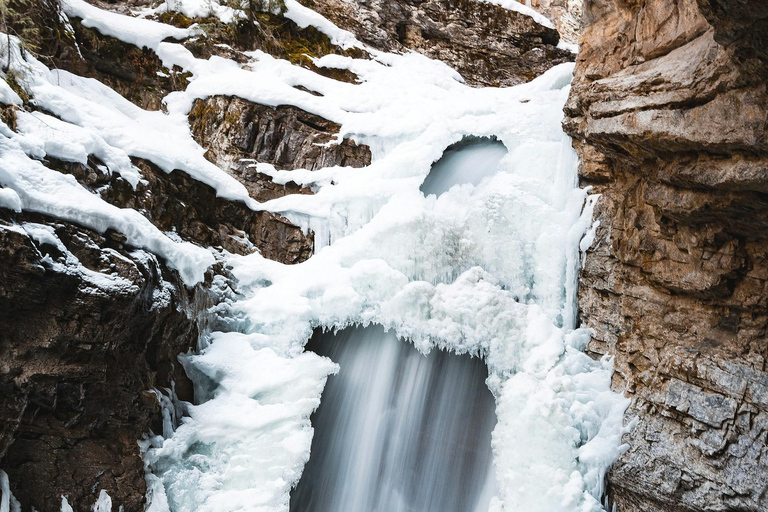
[669, 112]
[487, 44]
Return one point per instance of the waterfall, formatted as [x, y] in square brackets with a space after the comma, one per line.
[398, 431]
[466, 251]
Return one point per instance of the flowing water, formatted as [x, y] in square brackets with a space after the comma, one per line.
[398, 431]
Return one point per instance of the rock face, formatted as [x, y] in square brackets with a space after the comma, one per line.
[178, 203]
[565, 15]
[487, 44]
[669, 113]
[232, 129]
[87, 327]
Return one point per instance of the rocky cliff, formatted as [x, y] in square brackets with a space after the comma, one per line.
[487, 44]
[669, 112]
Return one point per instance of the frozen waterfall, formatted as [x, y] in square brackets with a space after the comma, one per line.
[461, 240]
[398, 431]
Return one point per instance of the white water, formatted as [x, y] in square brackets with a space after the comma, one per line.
[398, 431]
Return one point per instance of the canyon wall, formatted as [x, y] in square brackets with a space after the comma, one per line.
[669, 112]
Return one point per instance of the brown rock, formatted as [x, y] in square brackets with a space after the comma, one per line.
[487, 44]
[669, 112]
[236, 133]
[177, 202]
[86, 329]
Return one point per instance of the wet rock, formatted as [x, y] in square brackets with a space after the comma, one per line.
[237, 133]
[668, 110]
[487, 44]
[87, 327]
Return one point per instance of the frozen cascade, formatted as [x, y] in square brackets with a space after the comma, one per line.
[398, 431]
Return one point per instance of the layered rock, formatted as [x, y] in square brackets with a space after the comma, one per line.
[669, 112]
[487, 44]
[88, 328]
[565, 15]
[238, 133]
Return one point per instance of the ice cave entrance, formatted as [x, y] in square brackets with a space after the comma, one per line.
[467, 161]
[398, 431]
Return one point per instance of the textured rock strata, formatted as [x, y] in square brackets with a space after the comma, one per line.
[669, 113]
[565, 15]
[236, 133]
[487, 44]
[85, 321]
[177, 203]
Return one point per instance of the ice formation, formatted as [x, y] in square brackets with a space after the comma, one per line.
[487, 268]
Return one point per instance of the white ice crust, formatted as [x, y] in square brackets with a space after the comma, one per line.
[488, 269]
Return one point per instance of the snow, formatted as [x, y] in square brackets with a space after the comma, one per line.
[73, 144]
[136, 31]
[304, 17]
[487, 267]
[196, 9]
[514, 5]
[10, 199]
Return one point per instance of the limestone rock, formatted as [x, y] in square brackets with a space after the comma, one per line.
[565, 15]
[669, 111]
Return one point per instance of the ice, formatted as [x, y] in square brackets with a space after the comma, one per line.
[8, 502]
[468, 161]
[103, 503]
[65, 506]
[486, 268]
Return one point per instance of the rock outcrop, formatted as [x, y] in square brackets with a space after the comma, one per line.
[487, 44]
[565, 15]
[88, 327]
[236, 133]
[669, 113]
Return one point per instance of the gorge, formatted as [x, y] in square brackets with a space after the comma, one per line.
[406, 255]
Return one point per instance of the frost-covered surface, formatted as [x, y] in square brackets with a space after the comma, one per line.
[487, 269]
[514, 5]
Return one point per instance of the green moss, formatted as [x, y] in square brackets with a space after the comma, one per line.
[15, 81]
[175, 18]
